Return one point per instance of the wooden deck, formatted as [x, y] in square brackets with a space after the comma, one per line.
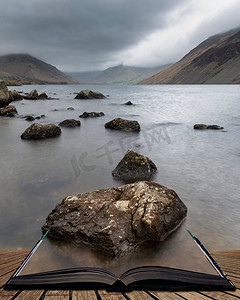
[11, 259]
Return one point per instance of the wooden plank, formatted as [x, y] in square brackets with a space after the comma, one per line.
[8, 268]
[84, 295]
[235, 281]
[58, 295]
[7, 294]
[235, 293]
[218, 295]
[110, 295]
[165, 295]
[192, 295]
[17, 257]
[30, 295]
[138, 295]
[4, 278]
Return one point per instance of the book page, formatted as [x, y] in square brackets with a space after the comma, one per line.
[177, 251]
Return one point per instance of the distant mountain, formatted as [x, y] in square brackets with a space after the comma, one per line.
[216, 61]
[117, 75]
[84, 77]
[23, 68]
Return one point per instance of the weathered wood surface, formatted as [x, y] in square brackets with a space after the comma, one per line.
[11, 259]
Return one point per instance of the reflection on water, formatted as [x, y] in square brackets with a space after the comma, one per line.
[54, 255]
[201, 166]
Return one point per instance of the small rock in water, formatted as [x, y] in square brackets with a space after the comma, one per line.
[122, 124]
[204, 126]
[134, 166]
[91, 114]
[29, 118]
[70, 123]
[70, 108]
[15, 96]
[33, 95]
[39, 131]
[116, 221]
[88, 94]
[128, 103]
[43, 96]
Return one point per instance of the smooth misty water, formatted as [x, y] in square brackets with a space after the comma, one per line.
[201, 166]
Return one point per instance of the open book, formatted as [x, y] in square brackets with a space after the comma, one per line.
[143, 277]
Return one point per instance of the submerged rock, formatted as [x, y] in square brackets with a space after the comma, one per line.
[88, 94]
[204, 126]
[118, 220]
[122, 124]
[4, 94]
[39, 131]
[8, 111]
[134, 166]
[70, 123]
[91, 114]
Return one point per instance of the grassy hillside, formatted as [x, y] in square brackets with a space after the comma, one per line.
[22, 68]
[216, 60]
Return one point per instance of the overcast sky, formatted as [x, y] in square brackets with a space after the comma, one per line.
[82, 35]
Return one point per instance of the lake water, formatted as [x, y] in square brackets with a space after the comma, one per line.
[203, 167]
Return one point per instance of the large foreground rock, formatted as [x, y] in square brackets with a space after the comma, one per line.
[4, 94]
[88, 94]
[39, 131]
[8, 111]
[134, 166]
[122, 124]
[118, 220]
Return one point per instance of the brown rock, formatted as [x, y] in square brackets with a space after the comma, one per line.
[118, 220]
[4, 94]
[33, 95]
[88, 94]
[122, 124]
[15, 96]
[204, 126]
[8, 111]
[70, 123]
[133, 167]
[91, 114]
[41, 131]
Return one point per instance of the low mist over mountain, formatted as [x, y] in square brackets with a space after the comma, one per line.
[23, 68]
[117, 75]
[216, 61]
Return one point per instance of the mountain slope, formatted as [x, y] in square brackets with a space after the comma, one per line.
[216, 60]
[25, 68]
[125, 74]
[116, 75]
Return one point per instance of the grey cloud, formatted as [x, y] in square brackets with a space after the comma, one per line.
[77, 32]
